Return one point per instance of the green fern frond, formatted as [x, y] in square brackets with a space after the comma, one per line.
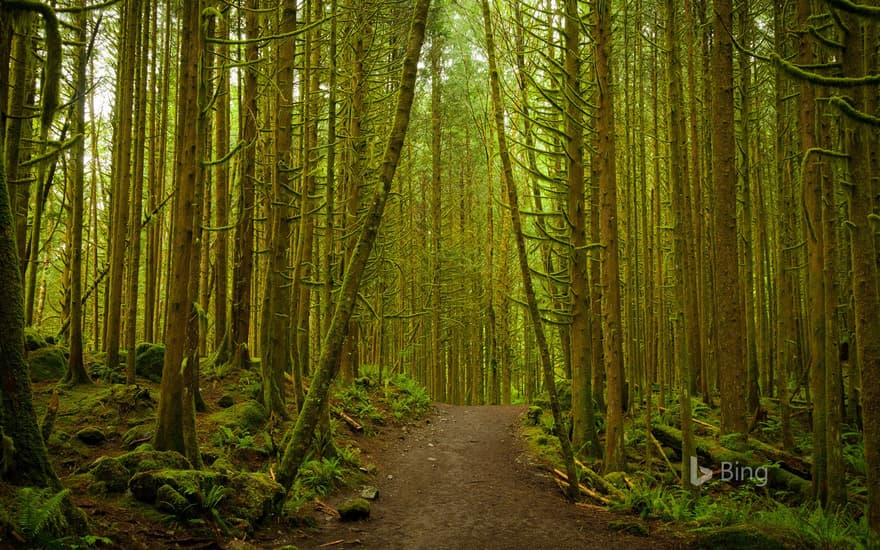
[37, 513]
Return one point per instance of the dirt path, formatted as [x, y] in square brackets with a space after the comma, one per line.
[461, 479]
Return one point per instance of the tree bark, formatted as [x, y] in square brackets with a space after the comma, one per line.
[175, 427]
[328, 364]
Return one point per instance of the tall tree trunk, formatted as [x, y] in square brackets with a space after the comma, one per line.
[862, 144]
[328, 364]
[175, 426]
[728, 295]
[531, 299]
[608, 231]
[76, 372]
[122, 171]
[276, 346]
[438, 358]
[583, 422]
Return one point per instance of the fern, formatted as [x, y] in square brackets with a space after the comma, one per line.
[38, 513]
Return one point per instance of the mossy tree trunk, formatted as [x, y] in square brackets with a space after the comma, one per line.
[329, 361]
[531, 299]
[175, 428]
[728, 289]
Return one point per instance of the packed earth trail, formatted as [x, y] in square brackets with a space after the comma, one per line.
[462, 479]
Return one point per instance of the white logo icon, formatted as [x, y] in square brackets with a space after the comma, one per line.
[706, 473]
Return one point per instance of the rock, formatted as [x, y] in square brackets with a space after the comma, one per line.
[248, 415]
[370, 493]
[148, 361]
[91, 436]
[137, 435]
[146, 458]
[194, 484]
[354, 509]
[33, 340]
[251, 496]
[112, 473]
[168, 499]
[47, 363]
[225, 402]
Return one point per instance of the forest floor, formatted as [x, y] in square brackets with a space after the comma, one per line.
[463, 478]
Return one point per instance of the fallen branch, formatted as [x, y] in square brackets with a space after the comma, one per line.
[352, 423]
[600, 482]
[584, 489]
[326, 508]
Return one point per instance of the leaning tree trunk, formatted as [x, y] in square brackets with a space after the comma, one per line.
[531, 299]
[328, 363]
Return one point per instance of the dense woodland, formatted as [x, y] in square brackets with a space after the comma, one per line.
[624, 205]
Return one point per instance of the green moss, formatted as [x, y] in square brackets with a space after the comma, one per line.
[47, 363]
[193, 484]
[148, 361]
[249, 415]
[145, 458]
[354, 509]
[112, 473]
[168, 499]
[33, 340]
[252, 497]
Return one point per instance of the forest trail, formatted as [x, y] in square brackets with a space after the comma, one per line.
[461, 479]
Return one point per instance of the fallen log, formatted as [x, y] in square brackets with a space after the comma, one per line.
[712, 453]
[599, 482]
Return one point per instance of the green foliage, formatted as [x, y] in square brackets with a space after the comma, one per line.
[226, 437]
[406, 397]
[40, 514]
[320, 477]
[819, 528]
[33, 339]
[356, 402]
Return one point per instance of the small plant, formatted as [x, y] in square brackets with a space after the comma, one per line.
[40, 513]
[321, 476]
[406, 397]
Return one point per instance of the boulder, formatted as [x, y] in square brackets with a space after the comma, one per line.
[33, 340]
[249, 415]
[251, 496]
[146, 458]
[354, 509]
[137, 435]
[91, 435]
[148, 361]
[47, 363]
[193, 484]
[112, 473]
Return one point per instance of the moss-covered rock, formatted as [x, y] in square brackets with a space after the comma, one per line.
[47, 363]
[112, 473]
[354, 509]
[533, 415]
[146, 458]
[168, 499]
[148, 360]
[194, 484]
[33, 340]
[137, 435]
[252, 497]
[91, 435]
[249, 415]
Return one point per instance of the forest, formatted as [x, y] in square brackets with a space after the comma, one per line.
[243, 240]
